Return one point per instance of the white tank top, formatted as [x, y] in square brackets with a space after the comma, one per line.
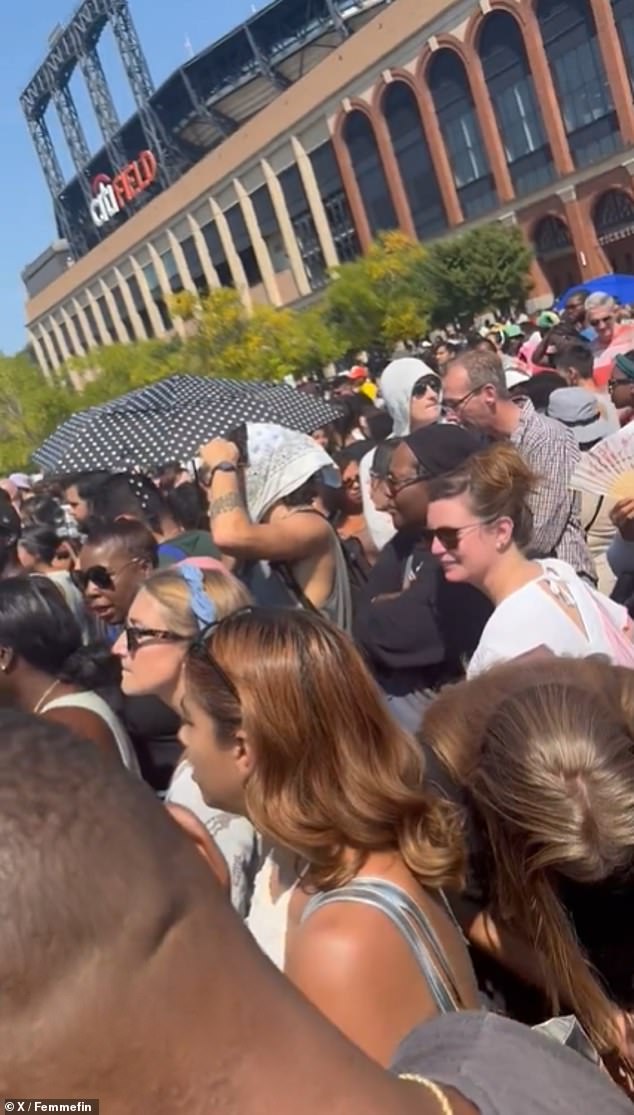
[94, 703]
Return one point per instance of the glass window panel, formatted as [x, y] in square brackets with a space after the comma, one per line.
[574, 56]
[514, 99]
[624, 18]
[81, 336]
[56, 345]
[243, 245]
[461, 132]
[107, 318]
[338, 215]
[409, 141]
[366, 162]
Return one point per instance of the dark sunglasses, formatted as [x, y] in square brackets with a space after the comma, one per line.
[602, 320]
[449, 537]
[427, 383]
[98, 576]
[137, 637]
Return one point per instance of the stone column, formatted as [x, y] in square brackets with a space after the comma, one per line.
[40, 356]
[181, 264]
[315, 203]
[233, 259]
[90, 340]
[148, 301]
[73, 376]
[278, 201]
[213, 282]
[259, 247]
[119, 327]
[74, 335]
[138, 327]
[104, 335]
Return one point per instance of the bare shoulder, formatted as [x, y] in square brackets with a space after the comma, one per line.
[86, 724]
[342, 942]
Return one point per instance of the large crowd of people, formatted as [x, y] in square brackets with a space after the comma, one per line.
[317, 773]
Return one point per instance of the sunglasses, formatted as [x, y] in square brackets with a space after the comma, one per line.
[449, 537]
[99, 576]
[201, 647]
[602, 320]
[427, 383]
[137, 637]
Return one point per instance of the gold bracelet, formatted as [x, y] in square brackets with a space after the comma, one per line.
[445, 1105]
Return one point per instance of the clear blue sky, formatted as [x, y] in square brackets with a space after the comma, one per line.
[166, 28]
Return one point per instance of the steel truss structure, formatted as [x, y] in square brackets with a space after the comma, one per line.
[183, 119]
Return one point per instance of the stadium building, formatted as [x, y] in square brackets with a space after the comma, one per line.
[284, 148]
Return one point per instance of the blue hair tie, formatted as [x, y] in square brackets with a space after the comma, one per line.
[202, 607]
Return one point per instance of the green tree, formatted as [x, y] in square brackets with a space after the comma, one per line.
[30, 409]
[484, 269]
[374, 301]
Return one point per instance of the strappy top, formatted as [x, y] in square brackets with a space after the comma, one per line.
[410, 921]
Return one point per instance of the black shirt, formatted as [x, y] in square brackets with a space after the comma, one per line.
[422, 637]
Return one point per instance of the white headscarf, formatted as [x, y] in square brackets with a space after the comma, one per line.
[396, 386]
[279, 462]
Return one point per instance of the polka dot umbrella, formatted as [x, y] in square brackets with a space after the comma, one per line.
[170, 420]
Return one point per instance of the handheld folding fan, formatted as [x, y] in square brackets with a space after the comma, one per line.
[608, 468]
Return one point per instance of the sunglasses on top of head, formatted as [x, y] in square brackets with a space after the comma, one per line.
[430, 382]
[201, 647]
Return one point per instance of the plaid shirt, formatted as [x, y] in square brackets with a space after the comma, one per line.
[552, 453]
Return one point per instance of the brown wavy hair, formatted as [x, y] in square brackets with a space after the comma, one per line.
[545, 750]
[497, 483]
[335, 777]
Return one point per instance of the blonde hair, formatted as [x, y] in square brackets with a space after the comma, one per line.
[545, 751]
[335, 778]
[172, 592]
[497, 483]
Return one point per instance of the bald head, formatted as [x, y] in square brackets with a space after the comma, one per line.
[109, 920]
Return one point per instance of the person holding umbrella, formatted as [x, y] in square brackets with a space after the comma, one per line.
[264, 513]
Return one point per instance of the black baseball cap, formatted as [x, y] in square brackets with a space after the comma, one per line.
[441, 448]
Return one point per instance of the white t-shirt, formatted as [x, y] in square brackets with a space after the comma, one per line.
[531, 618]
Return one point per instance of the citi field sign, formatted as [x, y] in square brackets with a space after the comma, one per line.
[111, 195]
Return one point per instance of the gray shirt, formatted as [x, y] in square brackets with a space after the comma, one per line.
[503, 1068]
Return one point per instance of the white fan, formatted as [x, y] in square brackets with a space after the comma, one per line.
[608, 468]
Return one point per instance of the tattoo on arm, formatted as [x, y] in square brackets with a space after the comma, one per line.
[230, 502]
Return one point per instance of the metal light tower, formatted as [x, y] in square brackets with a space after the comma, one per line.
[76, 45]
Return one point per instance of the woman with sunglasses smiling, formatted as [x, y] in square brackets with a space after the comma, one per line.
[479, 526]
[166, 616]
[283, 724]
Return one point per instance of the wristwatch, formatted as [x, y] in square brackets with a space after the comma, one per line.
[222, 466]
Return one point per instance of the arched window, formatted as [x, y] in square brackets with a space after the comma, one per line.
[556, 253]
[570, 40]
[552, 238]
[614, 216]
[409, 141]
[359, 137]
[512, 89]
[460, 128]
[624, 18]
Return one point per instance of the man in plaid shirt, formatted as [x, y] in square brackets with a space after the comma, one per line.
[474, 388]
